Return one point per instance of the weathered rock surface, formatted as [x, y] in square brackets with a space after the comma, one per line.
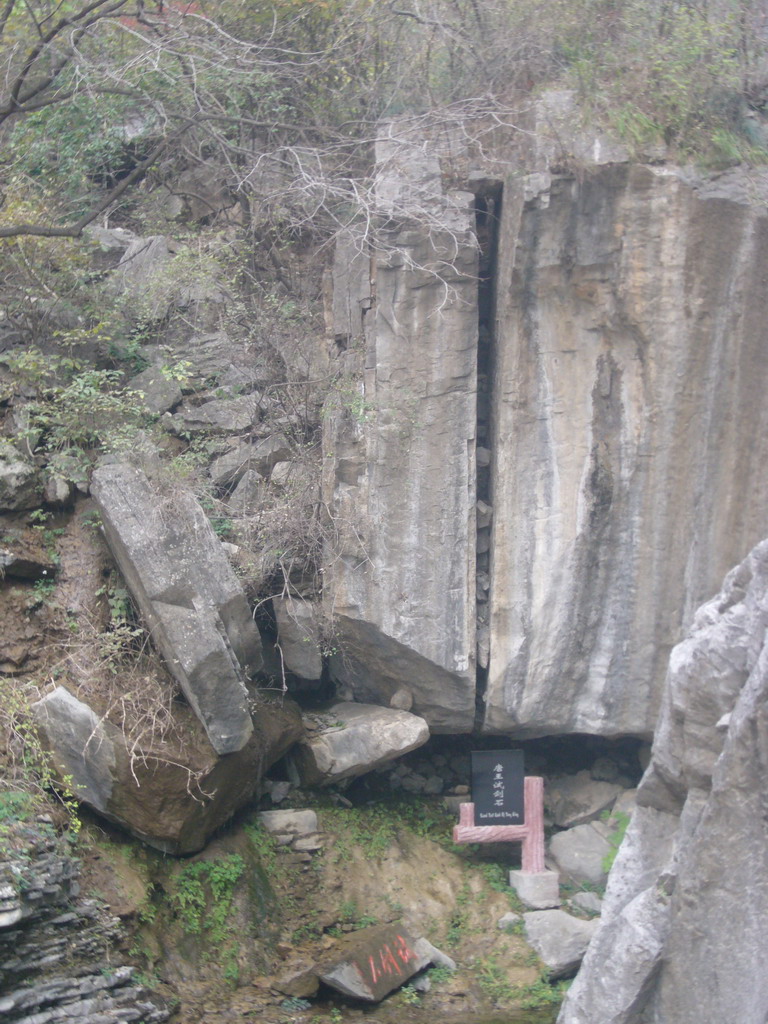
[25, 560]
[53, 944]
[683, 936]
[577, 799]
[289, 821]
[172, 793]
[262, 456]
[580, 852]
[401, 485]
[188, 594]
[217, 416]
[588, 901]
[560, 940]
[630, 385]
[159, 391]
[355, 739]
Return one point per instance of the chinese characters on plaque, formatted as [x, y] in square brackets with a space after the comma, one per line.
[497, 787]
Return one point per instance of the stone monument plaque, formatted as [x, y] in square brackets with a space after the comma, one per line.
[497, 787]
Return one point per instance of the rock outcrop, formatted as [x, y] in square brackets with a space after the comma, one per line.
[56, 949]
[551, 445]
[401, 484]
[171, 792]
[188, 595]
[21, 485]
[630, 383]
[682, 936]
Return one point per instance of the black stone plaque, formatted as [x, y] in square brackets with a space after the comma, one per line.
[497, 787]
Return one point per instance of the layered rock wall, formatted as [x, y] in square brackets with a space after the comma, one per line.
[59, 957]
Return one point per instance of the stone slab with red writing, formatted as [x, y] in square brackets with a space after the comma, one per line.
[373, 962]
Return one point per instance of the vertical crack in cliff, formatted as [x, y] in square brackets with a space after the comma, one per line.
[487, 210]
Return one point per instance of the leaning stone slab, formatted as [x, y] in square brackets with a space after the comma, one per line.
[179, 791]
[373, 963]
[188, 594]
[356, 739]
[560, 940]
[299, 636]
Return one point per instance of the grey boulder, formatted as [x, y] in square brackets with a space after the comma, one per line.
[21, 485]
[298, 636]
[355, 739]
[188, 594]
[559, 939]
[171, 793]
[580, 852]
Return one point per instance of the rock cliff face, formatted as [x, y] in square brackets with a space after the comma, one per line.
[629, 428]
[682, 936]
[606, 364]
[400, 480]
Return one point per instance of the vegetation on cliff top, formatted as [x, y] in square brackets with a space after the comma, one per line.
[100, 96]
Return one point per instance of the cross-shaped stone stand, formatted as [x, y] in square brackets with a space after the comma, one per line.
[535, 886]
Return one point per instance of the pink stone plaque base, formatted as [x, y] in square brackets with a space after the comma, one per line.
[530, 834]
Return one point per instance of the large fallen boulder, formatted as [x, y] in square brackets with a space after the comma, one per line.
[188, 594]
[175, 791]
[354, 739]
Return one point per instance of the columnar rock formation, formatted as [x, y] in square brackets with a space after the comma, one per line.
[683, 936]
[621, 357]
[402, 439]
